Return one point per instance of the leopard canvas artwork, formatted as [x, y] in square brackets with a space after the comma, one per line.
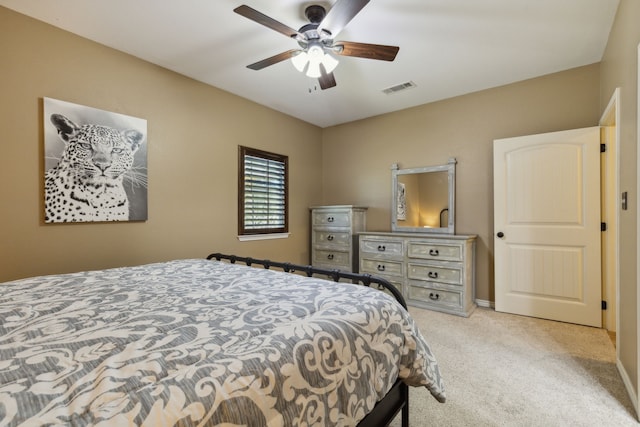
[93, 172]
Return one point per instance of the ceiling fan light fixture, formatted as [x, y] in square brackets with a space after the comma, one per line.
[315, 51]
[300, 60]
[330, 63]
[314, 69]
[314, 56]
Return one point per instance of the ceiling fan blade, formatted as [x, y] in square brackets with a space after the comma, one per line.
[366, 50]
[340, 14]
[265, 20]
[273, 60]
[326, 80]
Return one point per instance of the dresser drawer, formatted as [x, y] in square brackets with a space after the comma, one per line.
[331, 218]
[387, 248]
[331, 258]
[332, 238]
[440, 297]
[435, 251]
[381, 267]
[434, 273]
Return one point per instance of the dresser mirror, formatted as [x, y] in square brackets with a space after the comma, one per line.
[424, 199]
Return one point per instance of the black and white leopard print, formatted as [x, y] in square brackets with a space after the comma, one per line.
[86, 185]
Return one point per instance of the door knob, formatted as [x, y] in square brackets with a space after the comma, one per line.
[500, 234]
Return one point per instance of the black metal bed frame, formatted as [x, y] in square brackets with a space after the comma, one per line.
[398, 397]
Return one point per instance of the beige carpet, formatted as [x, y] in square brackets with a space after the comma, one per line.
[506, 370]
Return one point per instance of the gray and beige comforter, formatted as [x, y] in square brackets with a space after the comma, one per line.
[197, 342]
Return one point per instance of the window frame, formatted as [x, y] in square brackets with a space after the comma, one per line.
[268, 231]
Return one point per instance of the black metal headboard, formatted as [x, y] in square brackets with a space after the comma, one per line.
[309, 270]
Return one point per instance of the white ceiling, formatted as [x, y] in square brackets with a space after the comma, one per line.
[447, 47]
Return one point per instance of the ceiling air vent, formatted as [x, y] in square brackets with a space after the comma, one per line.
[398, 88]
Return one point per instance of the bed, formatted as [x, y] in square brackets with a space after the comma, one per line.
[208, 342]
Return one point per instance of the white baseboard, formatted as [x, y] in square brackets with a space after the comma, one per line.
[485, 303]
[628, 385]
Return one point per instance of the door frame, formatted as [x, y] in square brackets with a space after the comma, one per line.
[610, 122]
[637, 399]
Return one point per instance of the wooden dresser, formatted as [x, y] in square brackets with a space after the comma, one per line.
[334, 231]
[432, 271]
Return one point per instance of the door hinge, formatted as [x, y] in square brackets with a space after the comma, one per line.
[603, 148]
[603, 226]
[604, 305]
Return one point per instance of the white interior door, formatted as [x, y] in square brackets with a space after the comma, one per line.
[547, 225]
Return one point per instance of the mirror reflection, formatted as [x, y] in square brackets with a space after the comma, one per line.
[424, 199]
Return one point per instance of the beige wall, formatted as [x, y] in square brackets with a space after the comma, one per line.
[357, 157]
[619, 68]
[193, 134]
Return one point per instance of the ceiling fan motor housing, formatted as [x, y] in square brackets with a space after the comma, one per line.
[315, 13]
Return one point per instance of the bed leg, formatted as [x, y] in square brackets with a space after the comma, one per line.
[405, 408]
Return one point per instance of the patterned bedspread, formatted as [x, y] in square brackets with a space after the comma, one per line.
[197, 342]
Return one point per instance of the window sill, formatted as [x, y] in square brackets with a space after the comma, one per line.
[250, 237]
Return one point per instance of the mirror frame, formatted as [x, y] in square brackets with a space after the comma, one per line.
[450, 168]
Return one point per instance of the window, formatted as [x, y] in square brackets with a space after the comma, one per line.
[262, 192]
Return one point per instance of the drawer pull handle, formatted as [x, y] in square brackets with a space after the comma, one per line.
[381, 248]
[381, 267]
[433, 274]
[330, 237]
[434, 297]
[330, 256]
[330, 219]
[434, 252]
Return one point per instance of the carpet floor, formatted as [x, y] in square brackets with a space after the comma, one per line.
[506, 370]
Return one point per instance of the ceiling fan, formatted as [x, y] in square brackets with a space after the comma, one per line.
[316, 40]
